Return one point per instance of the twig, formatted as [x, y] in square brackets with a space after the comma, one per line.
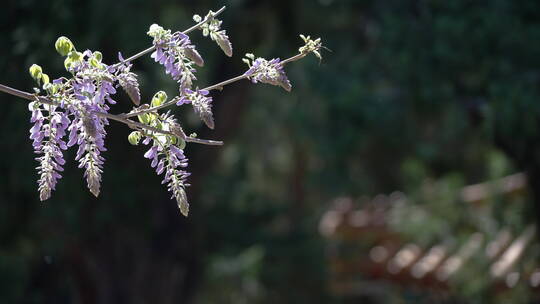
[24, 95]
[294, 58]
[209, 88]
[153, 48]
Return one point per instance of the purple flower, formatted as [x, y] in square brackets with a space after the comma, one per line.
[202, 104]
[92, 87]
[168, 159]
[176, 53]
[270, 72]
[47, 134]
[213, 28]
[151, 153]
[176, 178]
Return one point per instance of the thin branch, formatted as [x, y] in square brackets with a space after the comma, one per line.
[153, 109]
[294, 58]
[219, 86]
[198, 25]
[120, 118]
[203, 141]
[175, 100]
[133, 124]
[209, 88]
[153, 48]
[24, 95]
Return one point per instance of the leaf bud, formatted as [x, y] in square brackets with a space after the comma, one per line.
[98, 55]
[159, 98]
[94, 62]
[63, 45]
[181, 143]
[134, 137]
[75, 56]
[45, 78]
[35, 71]
[144, 118]
[155, 30]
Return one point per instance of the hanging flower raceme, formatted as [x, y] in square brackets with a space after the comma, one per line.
[92, 87]
[167, 157]
[271, 72]
[49, 128]
[128, 81]
[176, 53]
[76, 103]
[212, 28]
[202, 104]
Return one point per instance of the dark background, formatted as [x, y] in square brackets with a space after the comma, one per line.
[411, 91]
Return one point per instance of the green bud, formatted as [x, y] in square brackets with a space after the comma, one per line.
[197, 18]
[51, 88]
[181, 143]
[98, 55]
[67, 63]
[143, 118]
[155, 30]
[48, 87]
[72, 58]
[75, 56]
[45, 78]
[134, 137]
[35, 71]
[63, 45]
[94, 62]
[159, 98]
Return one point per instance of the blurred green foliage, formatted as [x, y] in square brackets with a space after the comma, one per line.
[411, 90]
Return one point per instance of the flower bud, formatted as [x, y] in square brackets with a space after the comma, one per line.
[224, 43]
[134, 137]
[89, 125]
[159, 98]
[63, 45]
[35, 71]
[181, 198]
[194, 56]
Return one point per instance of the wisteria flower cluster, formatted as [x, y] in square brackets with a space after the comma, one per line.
[267, 71]
[74, 110]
